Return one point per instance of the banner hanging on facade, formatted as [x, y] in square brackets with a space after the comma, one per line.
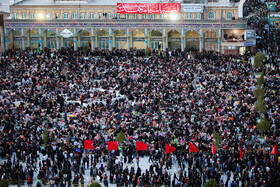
[148, 8]
[191, 8]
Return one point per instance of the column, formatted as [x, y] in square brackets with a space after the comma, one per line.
[146, 41]
[219, 40]
[131, 41]
[22, 43]
[6, 43]
[12, 39]
[28, 39]
[41, 42]
[128, 42]
[75, 43]
[110, 40]
[164, 40]
[79, 38]
[46, 38]
[200, 40]
[182, 43]
[96, 39]
[164, 43]
[57, 42]
[200, 44]
[2, 39]
[92, 42]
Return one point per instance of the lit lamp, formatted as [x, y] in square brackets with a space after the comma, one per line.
[173, 16]
[40, 16]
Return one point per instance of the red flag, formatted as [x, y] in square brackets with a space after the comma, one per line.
[274, 150]
[213, 149]
[193, 148]
[240, 153]
[88, 144]
[141, 146]
[112, 145]
[169, 148]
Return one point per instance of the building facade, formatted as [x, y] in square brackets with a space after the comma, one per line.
[211, 25]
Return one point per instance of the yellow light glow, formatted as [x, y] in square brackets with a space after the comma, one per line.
[173, 16]
[234, 32]
[40, 16]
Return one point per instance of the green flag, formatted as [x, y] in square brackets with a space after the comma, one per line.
[38, 47]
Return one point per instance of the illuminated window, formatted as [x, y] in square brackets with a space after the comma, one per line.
[49, 16]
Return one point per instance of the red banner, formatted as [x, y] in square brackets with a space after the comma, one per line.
[148, 8]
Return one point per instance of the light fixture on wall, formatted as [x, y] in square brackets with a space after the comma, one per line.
[40, 16]
[173, 16]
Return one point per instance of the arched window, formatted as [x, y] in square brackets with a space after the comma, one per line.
[91, 15]
[83, 15]
[144, 16]
[31, 16]
[189, 15]
[15, 16]
[74, 15]
[229, 15]
[118, 16]
[57, 15]
[180, 16]
[135, 16]
[211, 15]
[162, 16]
[66, 15]
[109, 15]
[100, 15]
[49, 16]
[23, 15]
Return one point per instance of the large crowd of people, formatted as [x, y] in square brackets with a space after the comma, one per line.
[51, 103]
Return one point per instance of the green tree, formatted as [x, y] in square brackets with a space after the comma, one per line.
[260, 106]
[4, 183]
[263, 125]
[218, 139]
[259, 92]
[120, 137]
[46, 136]
[260, 80]
[210, 183]
[95, 184]
[259, 60]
